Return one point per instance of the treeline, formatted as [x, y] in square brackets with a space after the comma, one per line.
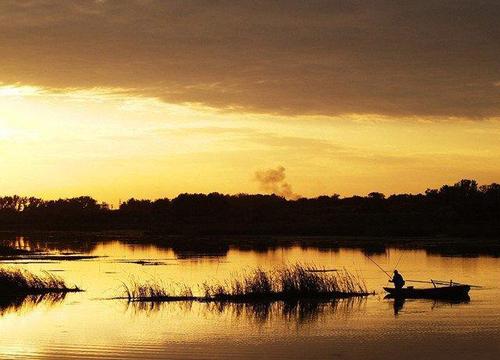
[463, 209]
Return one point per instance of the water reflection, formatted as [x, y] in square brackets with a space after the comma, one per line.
[398, 304]
[463, 250]
[150, 308]
[258, 312]
[186, 247]
[51, 243]
[375, 249]
[24, 304]
[355, 328]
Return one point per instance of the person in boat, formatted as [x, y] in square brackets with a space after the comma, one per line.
[397, 280]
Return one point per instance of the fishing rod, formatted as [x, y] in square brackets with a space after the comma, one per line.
[440, 282]
[385, 272]
[400, 257]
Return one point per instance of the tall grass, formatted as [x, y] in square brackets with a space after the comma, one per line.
[294, 282]
[156, 291]
[14, 282]
[287, 284]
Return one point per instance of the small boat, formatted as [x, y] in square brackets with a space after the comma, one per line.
[444, 292]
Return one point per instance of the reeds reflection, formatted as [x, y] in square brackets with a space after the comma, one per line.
[259, 312]
[23, 304]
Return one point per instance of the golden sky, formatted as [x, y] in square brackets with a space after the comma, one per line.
[149, 98]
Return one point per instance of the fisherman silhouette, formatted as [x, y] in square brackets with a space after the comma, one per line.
[398, 280]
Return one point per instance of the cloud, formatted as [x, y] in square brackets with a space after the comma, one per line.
[274, 181]
[432, 58]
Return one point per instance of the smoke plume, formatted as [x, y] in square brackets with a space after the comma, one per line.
[274, 181]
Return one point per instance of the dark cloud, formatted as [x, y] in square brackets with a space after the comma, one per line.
[425, 58]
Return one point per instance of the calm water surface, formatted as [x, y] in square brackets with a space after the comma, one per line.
[90, 325]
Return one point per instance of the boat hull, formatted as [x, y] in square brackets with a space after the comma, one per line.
[446, 292]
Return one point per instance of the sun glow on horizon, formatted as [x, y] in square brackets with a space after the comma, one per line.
[113, 144]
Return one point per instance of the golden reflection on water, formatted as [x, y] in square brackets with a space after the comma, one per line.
[25, 303]
[259, 312]
[87, 325]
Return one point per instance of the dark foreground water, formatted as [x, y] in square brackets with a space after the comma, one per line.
[87, 325]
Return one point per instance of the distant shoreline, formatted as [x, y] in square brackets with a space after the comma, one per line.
[462, 210]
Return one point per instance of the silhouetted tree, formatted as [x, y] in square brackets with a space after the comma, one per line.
[463, 208]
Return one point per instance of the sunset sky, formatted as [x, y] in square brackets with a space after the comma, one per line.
[145, 98]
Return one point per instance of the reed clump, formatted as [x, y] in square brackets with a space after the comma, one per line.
[18, 282]
[289, 283]
[297, 282]
[153, 290]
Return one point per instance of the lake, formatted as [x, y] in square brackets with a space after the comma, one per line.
[93, 325]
